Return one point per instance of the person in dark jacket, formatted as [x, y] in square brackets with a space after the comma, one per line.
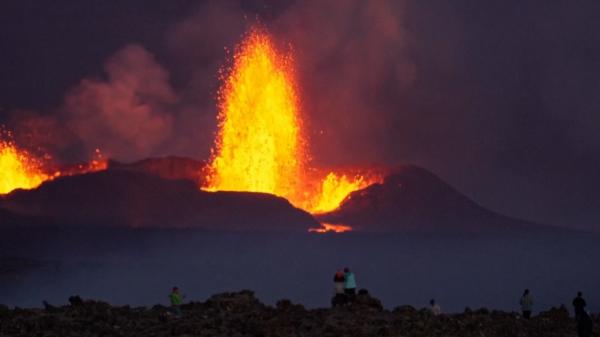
[585, 325]
[338, 280]
[579, 305]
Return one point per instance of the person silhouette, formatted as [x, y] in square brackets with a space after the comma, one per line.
[339, 297]
[585, 325]
[436, 310]
[176, 300]
[526, 303]
[349, 282]
[579, 305]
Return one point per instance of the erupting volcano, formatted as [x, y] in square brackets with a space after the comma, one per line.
[261, 146]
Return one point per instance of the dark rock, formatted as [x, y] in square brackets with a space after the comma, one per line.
[339, 300]
[365, 300]
[241, 314]
[405, 310]
[75, 301]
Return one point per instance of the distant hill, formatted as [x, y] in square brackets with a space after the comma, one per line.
[415, 200]
[163, 192]
[136, 199]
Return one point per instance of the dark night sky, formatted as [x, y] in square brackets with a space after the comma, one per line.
[499, 98]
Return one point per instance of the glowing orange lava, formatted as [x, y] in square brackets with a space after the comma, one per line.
[97, 163]
[19, 169]
[332, 191]
[260, 146]
[331, 228]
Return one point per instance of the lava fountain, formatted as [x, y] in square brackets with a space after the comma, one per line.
[260, 146]
[20, 169]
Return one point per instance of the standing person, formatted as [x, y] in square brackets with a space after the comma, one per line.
[436, 310]
[339, 297]
[526, 303]
[349, 282]
[176, 300]
[585, 325]
[579, 305]
[339, 281]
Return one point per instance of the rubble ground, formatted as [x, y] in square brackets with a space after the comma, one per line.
[241, 314]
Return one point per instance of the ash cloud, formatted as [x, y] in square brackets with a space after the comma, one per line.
[129, 114]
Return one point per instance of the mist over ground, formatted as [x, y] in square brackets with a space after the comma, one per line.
[138, 267]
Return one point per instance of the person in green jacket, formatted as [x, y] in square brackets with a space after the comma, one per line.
[176, 301]
[349, 282]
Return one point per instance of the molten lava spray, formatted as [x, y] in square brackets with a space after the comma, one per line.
[22, 169]
[260, 146]
[19, 169]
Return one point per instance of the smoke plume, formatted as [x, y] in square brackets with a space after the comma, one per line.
[129, 114]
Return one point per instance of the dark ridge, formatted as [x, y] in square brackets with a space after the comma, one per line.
[136, 199]
[413, 199]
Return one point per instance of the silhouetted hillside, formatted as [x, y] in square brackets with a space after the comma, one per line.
[128, 198]
[413, 199]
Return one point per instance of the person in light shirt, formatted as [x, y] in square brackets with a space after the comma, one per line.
[436, 310]
[526, 303]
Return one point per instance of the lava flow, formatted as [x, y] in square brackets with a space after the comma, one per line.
[331, 228]
[260, 146]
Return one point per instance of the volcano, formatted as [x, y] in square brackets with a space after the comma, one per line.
[412, 199]
[259, 176]
[163, 192]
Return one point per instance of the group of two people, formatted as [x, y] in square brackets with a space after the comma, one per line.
[345, 282]
[345, 287]
[583, 319]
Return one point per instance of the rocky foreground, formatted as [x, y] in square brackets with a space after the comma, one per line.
[241, 314]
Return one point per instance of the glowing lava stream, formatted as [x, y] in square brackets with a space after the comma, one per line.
[331, 228]
[260, 146]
